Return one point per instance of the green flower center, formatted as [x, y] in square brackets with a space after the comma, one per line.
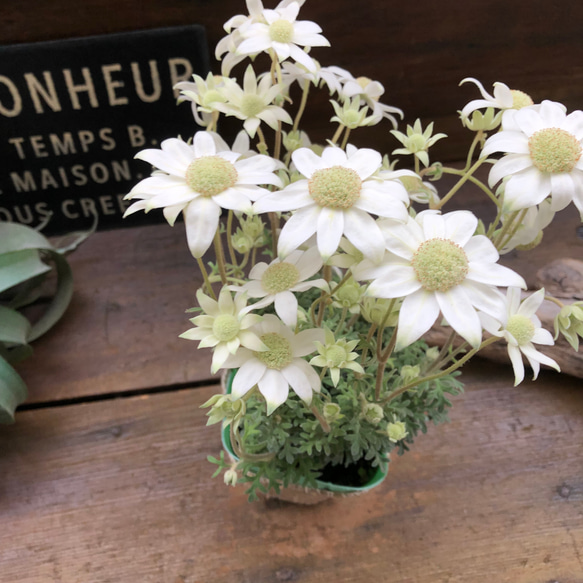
[212, 96]
[210, 175]
[416, 143]
[348, 295]
[279, 277]
[440, 264]
[337, 187]
[279, 353]
[521, 328]
[226, 327]
[281, 31]
[335, 355]
[554, 151]
[251, 105]
[520, 99]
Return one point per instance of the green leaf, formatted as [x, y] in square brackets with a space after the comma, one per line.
[60, 301]
[15, 237]
[12, 391]
[14, 327]
[21, 241]
[19, 266]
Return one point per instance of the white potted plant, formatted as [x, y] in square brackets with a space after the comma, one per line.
[330, 264]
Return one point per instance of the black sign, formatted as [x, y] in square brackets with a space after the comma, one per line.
[74, 113]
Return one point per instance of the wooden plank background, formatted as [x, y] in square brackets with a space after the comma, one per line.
[104, 478]
[121, 491]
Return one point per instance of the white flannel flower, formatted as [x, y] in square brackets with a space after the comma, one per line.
[199, 181]
[351, 115]
[370, 92]
[279, 367]
[520, 327]
[203, 95]
[224, 326]
[235, 28]
[417, 141]
[253, 102]
[330, 76]
[336, 355]
[543, 158]
[282, 34]
[340, 190]
[503, 98]
[276, 283]
[437, 265]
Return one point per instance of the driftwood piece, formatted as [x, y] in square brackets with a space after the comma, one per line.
[563, 279]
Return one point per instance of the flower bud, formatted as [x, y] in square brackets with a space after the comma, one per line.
[569, 323]
[230, 477]
[348, 296]
[294, 140]
[409, 373]
[242, 243]
[432, 354]
[375, 309]
[331, 412]
[373, 413]
[224, 408]
[396, 431]
[486, 122]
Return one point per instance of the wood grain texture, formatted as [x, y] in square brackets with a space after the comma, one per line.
[420, 51]
[132, 287]
[121, 491]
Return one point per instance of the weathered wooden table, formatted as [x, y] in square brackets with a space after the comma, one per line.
[104, 475]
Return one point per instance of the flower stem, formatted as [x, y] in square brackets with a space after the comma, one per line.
[513, 229]
[345, 139]
[475, 181]
[555, 301]
[338, 133]
[274, 223]
[383, 358]
[220, 257]
[205, 277]
[325, 425]
[440, 374]
[229, 238]
[302, 106]
[460, 183]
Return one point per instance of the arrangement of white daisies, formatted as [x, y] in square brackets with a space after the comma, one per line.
[284, 219]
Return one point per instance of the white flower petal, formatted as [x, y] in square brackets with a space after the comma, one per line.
[397, 281]
[298, 381]
[364, 233]
[298, 228]
[457, 309]
[517, 364]
[418, 313]
[203, 144]
[365, 162]
[329, 228]
[304, 342]
[509, 142]
[201, 219]
[247, 377]
[274, 388]
[307, 161]
[508, 165]
[526, 189]
[286, 307]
